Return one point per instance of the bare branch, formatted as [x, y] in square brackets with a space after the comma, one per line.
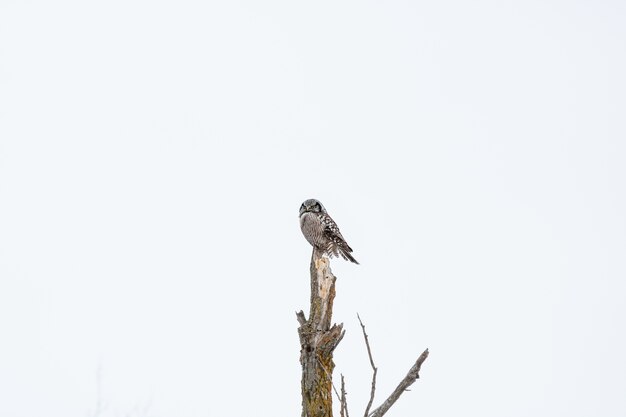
[301, 318]
[409, 379]
[369, 353]
[344, 402]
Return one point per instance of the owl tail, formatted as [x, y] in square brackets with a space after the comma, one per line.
[345, 254]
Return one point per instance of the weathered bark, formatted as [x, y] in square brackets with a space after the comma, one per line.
[318, 340]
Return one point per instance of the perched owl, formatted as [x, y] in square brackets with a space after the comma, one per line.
[321, 231]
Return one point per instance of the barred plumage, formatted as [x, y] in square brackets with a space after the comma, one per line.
[321, 231]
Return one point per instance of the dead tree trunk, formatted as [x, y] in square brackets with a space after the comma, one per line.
[318, 340]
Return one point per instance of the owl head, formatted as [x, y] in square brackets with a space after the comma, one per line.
[312, 206]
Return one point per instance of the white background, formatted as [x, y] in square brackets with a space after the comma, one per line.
[153, 157]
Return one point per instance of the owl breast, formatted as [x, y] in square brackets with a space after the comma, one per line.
[313, 229]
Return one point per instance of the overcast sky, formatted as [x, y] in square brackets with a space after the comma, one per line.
[154, 154]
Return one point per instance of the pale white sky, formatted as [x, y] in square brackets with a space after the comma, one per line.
[153, 157]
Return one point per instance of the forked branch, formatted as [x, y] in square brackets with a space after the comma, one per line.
[408, 380]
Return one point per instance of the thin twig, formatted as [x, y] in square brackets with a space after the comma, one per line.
[331, 379]
[369, 353]
[409, 379]
[344, 402]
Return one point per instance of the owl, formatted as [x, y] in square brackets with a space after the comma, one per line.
[321, 231]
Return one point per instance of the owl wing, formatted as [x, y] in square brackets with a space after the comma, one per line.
[337, 245]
